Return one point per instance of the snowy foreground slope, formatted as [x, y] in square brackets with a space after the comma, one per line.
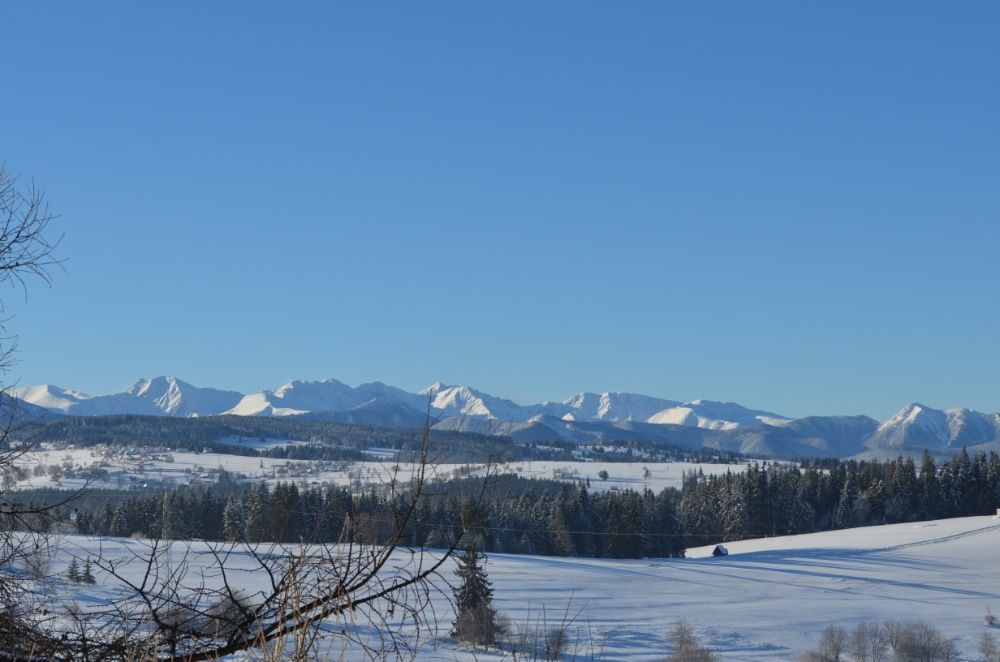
[768, 600]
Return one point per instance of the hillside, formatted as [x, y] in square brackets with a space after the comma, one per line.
[746, 607]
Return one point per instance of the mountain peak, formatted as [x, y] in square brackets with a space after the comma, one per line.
[586, 415]
[434, 388]
[162, 383]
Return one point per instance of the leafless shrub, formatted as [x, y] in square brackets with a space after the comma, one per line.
[686, 646]
[220, 615]
[893, 632]
[540, 638]
[38, 558]
[909, 642]
[989, 618]
[988, 647]
[833, 645]
[556, 642]
[530, 643]
[922, 642]
[520, 640]
[869, 643]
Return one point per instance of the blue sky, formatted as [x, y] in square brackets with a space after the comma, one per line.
[789, 205]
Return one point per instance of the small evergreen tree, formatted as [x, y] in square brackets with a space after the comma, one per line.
[476, 621]
[844, 515]
[73, 572]
[88, 575]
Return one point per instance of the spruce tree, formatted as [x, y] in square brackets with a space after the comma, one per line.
[73, 572]
[255, 513]
[801, 516]
[930, 495]
[616, 544]
[476, 621]
[843, 517]
[119, 523]
[562, 540]
[233, 526]
[88, 575]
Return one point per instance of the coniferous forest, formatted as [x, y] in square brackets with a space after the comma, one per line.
[548, 517]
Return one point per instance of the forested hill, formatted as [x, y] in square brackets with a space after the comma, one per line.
[326, 439]
[200, 433]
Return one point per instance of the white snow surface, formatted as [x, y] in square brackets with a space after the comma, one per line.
[768, 600]
[715, 415]
[51, 397]
[128, 470]
[609, 406]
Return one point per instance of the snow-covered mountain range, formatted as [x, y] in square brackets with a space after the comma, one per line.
[169, 396]
[585, 417]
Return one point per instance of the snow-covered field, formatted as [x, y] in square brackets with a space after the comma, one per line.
[768, 600]
[621, 475]
[125, 470]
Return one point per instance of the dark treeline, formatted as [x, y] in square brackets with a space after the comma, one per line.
[557, 518]
[533, 516]
[774, 499]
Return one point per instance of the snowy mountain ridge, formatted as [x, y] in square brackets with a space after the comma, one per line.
[584, 417]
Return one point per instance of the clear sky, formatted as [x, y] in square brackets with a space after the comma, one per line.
[794, 206]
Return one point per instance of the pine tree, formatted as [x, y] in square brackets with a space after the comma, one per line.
[930, 495]
[476, 621]
[562, 540]
[844, 515]
[801, 516]
[73, 572]
[173, 522]
[233, 526]
[255, 511]
[735, 511]
[88, 575]
[119, 522]
[616, 545]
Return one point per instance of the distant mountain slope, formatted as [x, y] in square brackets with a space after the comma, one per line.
[608, 406]
[841, 435]
[161, 396]
[836, 436]
[917, 425]
[14, 410]
[377, 412]
[178, 398]
[50, 397]
[465, 401]
[583, 418]
[330, 395]
[714, 415]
